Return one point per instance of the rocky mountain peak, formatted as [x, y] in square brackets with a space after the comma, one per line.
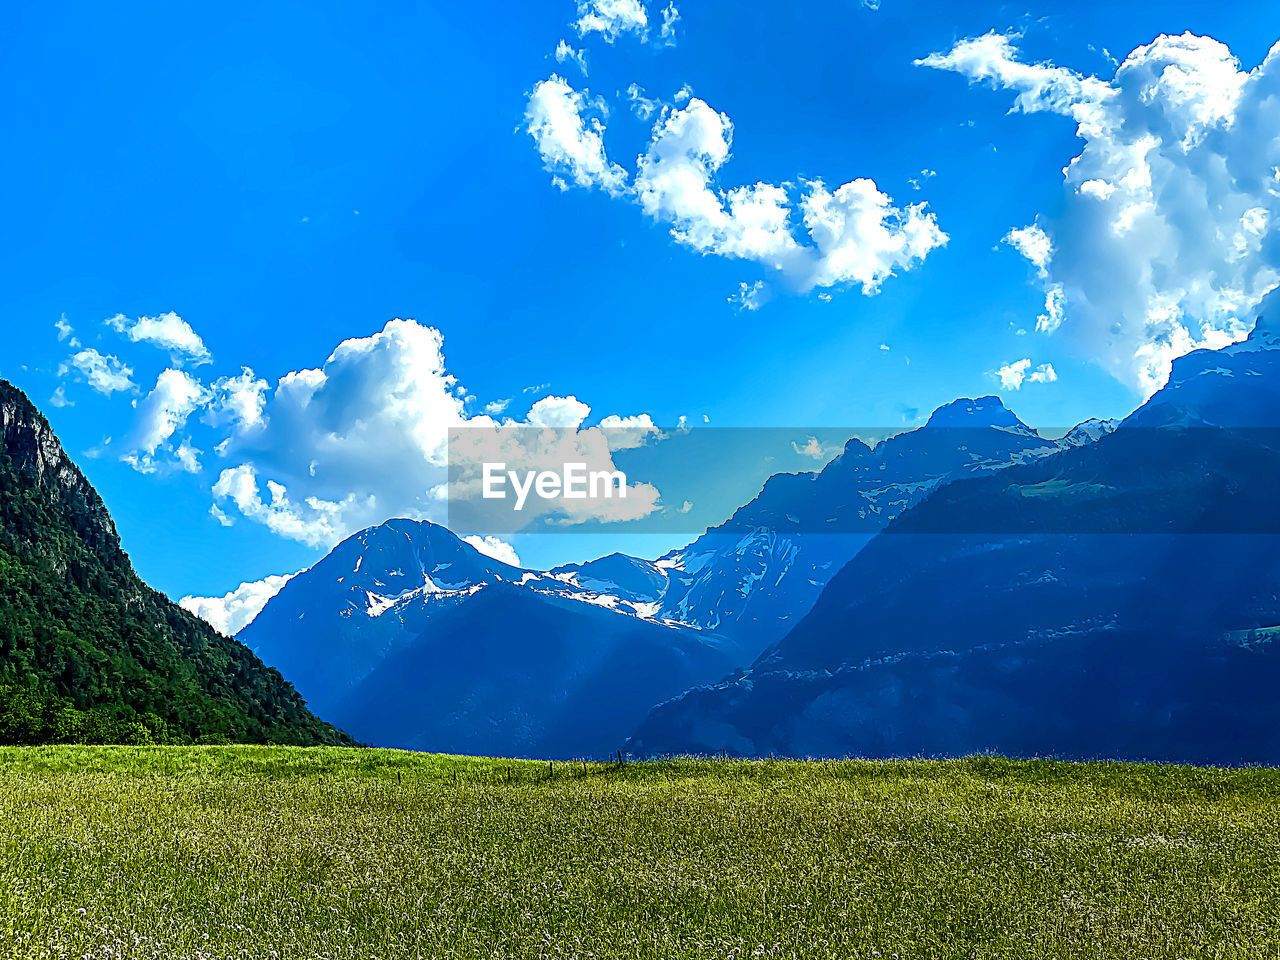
[37, 455]
[974, 413]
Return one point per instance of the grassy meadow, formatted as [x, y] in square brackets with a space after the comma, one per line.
[244, 852]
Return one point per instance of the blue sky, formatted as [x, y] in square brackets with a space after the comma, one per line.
[285, 177]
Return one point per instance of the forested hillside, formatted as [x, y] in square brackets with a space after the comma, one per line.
[88, 652]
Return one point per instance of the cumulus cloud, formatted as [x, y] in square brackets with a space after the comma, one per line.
[238, 400]
[861, 237]
[1034, 244]
[313, 521]
[1013, 375]
[366, 436]
[566, 412]
[233, 612]
[1043, 374]
[104, 373]
[627, 433]
[160, 414]
[855, 234]
[568, 128]
[168, 332]
[612, 18]
[1163, 241]
[495, 547]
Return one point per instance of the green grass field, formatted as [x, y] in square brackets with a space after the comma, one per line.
[240, 852]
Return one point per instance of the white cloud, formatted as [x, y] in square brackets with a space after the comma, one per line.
[238, 400]
[348, 444]
[171, 401]
[1013, 375]
[685, 507]
[1161, 243]
[233, 612]
[1043, 374]
[612, 18]
[675, 182]
[363, 437]
[572, 144]
[366, 437]
[856, 234]
[316, 522]
[568, 54]
[1054, 309]
[167, 331]
[643, 107]
[105, 373]
[59, 398]
[495, 547]
[925, 176]
[188, 457]
[993, 57]
[1034, 244]
[560, 412]
[627, 433]
[861, 237]
[749, 296]
[495, 407]
[810, 448]
[670, 17]
[65, 331]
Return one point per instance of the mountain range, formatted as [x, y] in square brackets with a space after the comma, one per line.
[407, 636]
[967, 586]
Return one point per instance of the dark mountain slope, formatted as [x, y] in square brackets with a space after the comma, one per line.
[515, 673]
[1116, 600]
[90, 652]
